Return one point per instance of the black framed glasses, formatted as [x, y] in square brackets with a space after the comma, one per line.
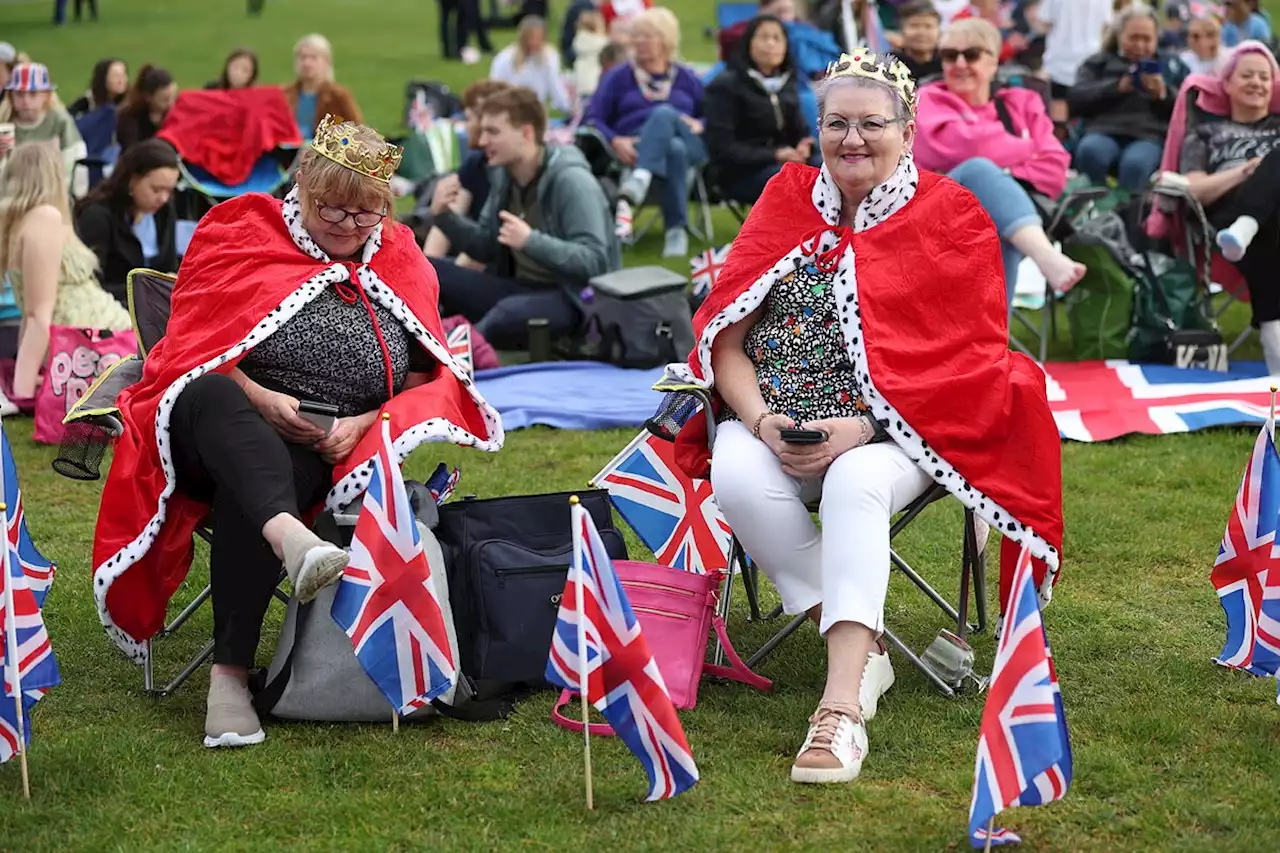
[334, 214]
[870, 128]
[970, 54]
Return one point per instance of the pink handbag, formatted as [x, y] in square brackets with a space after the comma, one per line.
[677, 612]
[76, 358]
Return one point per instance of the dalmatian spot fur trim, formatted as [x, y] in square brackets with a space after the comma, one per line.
[435, 429]
[881, 203]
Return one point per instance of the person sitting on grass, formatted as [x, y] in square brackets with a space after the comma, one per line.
[148, 101]
[107, 85]
[317, 297]
[545, 231]
[473, 172]
[533, 63]
[37, 118]
[314, 94]
[240, 71]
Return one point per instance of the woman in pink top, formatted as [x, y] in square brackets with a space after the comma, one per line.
[960, 131]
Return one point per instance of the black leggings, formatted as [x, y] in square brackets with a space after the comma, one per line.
[226, 454]
[1259, 197]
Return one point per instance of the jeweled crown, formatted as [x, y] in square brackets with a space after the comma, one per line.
[335, 138]
[884, 67]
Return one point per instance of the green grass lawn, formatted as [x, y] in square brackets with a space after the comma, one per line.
[1172, 753]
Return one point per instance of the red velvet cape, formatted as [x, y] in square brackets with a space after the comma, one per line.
[244, 276]
[225, 132]
[930, 296]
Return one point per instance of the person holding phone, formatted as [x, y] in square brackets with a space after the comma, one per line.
[1125, 95]
[858, 353]
[295, 325]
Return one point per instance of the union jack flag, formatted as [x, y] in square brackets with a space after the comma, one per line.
[1247, 571]
[443, 482]
[1024, 751]
[13, 730]
[39, 571]
[421, 115]
[459, 340]
[386, 601]
[602, 637]
[676, 517]
[706, 269]
[1102, 400]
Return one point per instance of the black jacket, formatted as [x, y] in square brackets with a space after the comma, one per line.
[745, 125]
[110, 235]
[1136, 115]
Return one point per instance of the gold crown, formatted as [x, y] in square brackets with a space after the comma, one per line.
[335, 139]
[884, 67]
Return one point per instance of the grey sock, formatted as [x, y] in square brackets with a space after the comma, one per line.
[295, 546]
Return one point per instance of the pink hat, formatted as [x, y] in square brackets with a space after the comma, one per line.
[30, 77]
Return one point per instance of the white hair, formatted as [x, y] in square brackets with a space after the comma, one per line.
[823, 89]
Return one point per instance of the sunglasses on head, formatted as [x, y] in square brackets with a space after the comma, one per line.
[970, 54]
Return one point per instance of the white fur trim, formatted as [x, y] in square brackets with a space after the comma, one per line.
[435, 429]
[879, 205]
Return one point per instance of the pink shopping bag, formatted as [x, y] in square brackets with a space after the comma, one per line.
[76, 358]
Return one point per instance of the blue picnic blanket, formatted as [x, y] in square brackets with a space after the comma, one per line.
[570, 395]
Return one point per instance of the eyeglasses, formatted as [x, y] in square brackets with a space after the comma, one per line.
[970, 54]
[334, 214]
[870, 129]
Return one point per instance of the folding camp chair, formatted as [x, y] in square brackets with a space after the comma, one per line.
[683, 402]
[607, 167]
[150, 293]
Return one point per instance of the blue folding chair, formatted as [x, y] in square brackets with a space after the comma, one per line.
[728, 14]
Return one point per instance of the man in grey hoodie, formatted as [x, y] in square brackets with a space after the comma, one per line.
[544, 232]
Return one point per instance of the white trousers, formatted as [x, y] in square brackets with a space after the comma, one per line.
[845, 567]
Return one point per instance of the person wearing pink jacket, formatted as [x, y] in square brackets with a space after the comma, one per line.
[961, 131]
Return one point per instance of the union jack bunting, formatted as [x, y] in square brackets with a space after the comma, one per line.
[676, 517]
[603, 638]
[11, 729]
[459, 340]
[1248, 564]
[386, 601]
[1024, 751]
[39, 571]
[1102, 400]
[706, 269]
[442, 482]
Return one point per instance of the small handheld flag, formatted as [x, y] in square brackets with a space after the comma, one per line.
[386, 601]
[705, 269]
[1024, 751]
[598, 644]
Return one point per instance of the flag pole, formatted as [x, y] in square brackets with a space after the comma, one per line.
[11, 654]
[395, 722]
[991, 821]
[1273, 413]
[582, 650]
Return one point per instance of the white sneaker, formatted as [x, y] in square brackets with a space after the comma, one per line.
[1235, 241]
[635, 188]
[834, 749]
[321, 566]
[230, 719]
[877, 678]
[676, 243]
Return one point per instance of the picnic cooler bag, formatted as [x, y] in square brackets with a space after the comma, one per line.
[315, 675]
[508, 560]
[677, 613]
[76, 358]
[1100, 306]
[1171, 320]
[641, 316]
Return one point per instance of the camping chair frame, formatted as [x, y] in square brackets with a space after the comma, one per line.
[973, 577]
[606, 165]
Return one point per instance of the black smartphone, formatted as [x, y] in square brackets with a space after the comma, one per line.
[321, 415]
[803, 436]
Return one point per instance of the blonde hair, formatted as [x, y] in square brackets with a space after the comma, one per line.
[664, 23]
[322, 180]
[35, 176]
[975, 31]
[320, 45]
[528, 24]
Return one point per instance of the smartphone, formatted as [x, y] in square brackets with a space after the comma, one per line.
[803, 436]
[321, 415]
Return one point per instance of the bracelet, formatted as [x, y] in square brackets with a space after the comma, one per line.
[865, 431]
[755, 428]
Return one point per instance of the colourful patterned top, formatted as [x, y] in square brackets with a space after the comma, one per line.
[799, 353]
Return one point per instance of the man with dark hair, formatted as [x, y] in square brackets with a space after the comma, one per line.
[544, 232]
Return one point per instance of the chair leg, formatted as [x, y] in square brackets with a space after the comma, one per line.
[196, 663]
[750, 578]
[947, 689]
[148, 678]
[980, 592]
[923, 585]
[776, 640]
[726, 602]
[967, 560]
[188, 611]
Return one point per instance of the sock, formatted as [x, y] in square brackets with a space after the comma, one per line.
[296, 545]
[1270, 334]
[1235, 240]
[640, 179]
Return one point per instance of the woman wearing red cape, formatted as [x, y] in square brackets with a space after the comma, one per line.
[315, 298]
[864, 301]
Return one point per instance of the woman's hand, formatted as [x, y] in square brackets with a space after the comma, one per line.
[1125, 86]
[1250, 167]
[1154, 85]
[625, 148]
[281, 411]
[787, 155]
[692, 123]
[335, 447]
[844, 434]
